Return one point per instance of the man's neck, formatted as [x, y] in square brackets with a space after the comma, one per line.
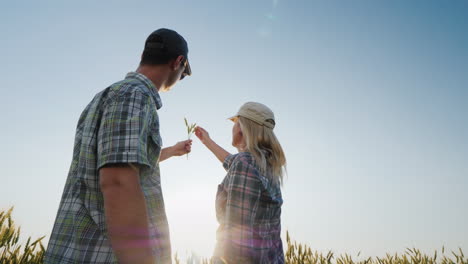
[157, 75]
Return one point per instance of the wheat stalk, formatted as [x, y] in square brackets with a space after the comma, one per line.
[190, 129]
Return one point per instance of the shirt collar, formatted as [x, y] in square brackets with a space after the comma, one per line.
[148, 84]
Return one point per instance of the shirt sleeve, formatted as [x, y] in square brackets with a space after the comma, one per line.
[243, 194]
[124, 131]
[228, 161]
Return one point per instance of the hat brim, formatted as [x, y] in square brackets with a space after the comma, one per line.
[233, 118]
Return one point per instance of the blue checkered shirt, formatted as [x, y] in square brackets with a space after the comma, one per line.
[120, 125]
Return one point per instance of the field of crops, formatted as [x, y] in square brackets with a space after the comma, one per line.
[32, 252]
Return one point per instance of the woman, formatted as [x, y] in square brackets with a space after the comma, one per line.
[248, 201]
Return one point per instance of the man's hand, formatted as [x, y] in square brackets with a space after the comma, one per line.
[179, 149]
[182, 148]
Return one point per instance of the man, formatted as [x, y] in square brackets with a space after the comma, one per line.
[112, 208]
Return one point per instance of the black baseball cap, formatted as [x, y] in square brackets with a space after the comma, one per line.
[168, 41]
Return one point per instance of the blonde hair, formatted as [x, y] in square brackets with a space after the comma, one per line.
[262, 143]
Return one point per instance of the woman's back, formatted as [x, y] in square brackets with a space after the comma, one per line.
[248, 208]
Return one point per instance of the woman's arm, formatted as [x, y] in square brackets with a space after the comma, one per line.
[217, 150]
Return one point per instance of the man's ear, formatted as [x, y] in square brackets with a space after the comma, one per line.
[178, 62]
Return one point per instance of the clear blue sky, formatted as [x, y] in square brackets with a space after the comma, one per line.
[370, 99]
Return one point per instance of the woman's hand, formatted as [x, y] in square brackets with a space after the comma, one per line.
[204, 137]
[202, 134]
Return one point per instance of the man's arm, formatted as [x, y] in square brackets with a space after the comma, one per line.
[126, 214]
[179, 149]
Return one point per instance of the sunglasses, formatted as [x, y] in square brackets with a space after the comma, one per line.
[184, 73]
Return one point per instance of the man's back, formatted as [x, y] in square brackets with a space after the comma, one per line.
[119, 126]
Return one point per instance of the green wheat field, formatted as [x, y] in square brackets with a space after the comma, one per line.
[32, 252]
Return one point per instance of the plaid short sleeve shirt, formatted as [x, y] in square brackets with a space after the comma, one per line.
[120, 125]
[248, 209]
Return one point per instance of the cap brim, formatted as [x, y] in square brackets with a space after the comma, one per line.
[233, 118]
[188, 69]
